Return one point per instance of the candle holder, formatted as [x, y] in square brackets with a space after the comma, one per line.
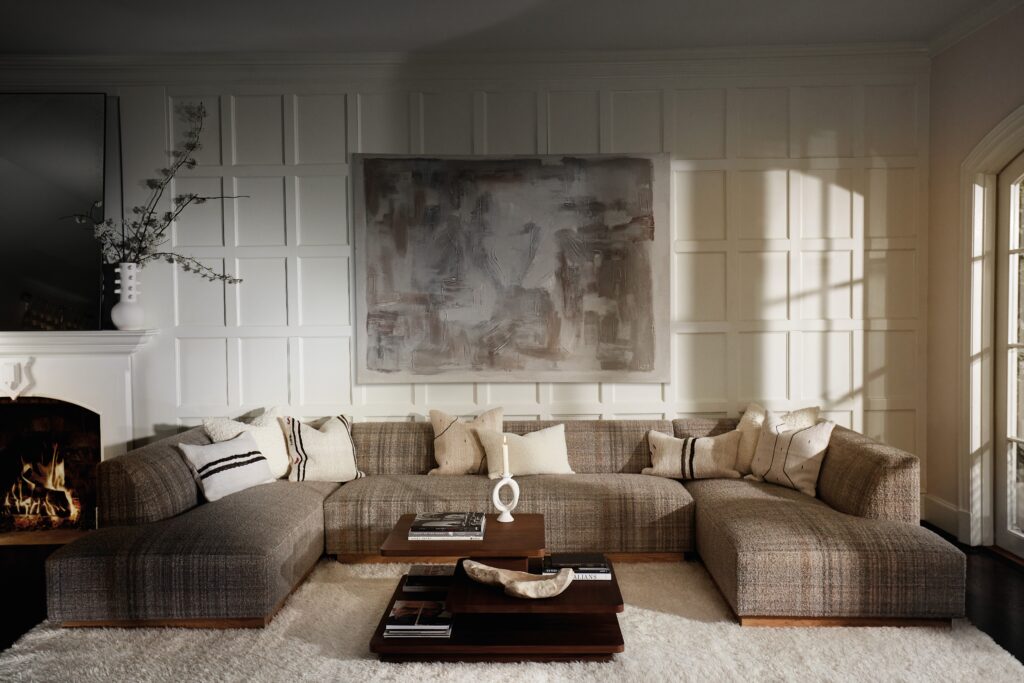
[505, 508]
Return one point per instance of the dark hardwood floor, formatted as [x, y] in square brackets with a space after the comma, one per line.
[995, 593]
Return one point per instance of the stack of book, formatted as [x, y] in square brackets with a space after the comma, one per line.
[448, 526]
[429, 578]
[586, 566]
[418, 619]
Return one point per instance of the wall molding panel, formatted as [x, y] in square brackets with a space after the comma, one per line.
[799, 180]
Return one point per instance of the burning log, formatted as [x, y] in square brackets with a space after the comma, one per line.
[39, 497]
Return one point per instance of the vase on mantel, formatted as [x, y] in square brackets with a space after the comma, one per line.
[127, 313]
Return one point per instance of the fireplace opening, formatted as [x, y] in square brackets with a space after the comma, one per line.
[48, 454]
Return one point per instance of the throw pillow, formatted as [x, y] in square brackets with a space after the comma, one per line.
[227, 467]
[708, 457]
[540, 452]
[457, 449]
[264, 428]
[321, 452]
[750, 430]
[791, 456]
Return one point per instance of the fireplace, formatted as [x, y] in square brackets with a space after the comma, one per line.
[48, 454]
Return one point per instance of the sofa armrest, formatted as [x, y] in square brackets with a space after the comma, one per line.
[149, 483]
[860, 476]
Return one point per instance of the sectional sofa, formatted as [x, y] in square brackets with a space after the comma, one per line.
[854, 554]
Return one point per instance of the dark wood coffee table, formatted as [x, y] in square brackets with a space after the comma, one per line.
[581, 624]
[508, 545]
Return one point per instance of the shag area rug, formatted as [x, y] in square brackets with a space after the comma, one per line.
[676, 626]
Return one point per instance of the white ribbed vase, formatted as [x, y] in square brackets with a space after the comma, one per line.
[127, 313]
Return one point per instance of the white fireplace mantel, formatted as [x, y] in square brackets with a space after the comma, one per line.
[92, 369]
[76, 343]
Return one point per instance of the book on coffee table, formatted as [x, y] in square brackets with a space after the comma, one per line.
[448, 526]
[585, 566]
[428, 578]
[418, 619]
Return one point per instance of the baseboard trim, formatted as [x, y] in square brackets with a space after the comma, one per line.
[827, 622]
[941, 513]
[240, 622]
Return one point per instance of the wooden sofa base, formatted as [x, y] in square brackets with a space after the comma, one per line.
[819, 622]
[375, 558]
[241, 622]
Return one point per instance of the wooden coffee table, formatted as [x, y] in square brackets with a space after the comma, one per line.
[581, 624]
[509, 546]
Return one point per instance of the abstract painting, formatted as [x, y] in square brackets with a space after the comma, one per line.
[548, 269]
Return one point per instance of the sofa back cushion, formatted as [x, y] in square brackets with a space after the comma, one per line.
[393, 447]
[860, 476]
[696, 427]
[601, 446]
[150, 483]
[595, 446]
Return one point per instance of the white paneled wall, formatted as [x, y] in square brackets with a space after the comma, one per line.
[798, 225]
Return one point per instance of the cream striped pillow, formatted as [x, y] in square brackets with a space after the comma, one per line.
[708, 457]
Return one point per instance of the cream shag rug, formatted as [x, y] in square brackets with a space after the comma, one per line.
[676, 627]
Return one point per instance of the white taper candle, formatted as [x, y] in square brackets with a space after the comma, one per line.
[504, 456]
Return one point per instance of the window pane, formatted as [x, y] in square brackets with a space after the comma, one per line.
[1018, 271]
[1016, 493]
[1017, 397]
[1017, 233]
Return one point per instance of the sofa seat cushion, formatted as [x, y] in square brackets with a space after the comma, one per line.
[582, 512]
[776, 552]
[238, 557]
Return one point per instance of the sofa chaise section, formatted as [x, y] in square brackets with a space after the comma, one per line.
[227, 563]
[854, 554]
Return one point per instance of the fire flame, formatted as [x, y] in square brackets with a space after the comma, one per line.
[40, 492]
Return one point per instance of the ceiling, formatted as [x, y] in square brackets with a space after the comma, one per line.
[99, 27]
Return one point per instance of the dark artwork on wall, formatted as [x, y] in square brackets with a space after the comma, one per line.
[48, 455]
[522, 269]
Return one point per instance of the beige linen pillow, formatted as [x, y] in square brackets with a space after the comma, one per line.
[750, 430]
[457, 449]
[708, 457]
[791, 456]
[540, 452]
[322, 451]
[264, 428]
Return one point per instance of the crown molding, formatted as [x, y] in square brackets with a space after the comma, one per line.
[969, 24]
[37, 71]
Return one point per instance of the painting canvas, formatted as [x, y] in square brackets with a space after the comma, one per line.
[548, 269]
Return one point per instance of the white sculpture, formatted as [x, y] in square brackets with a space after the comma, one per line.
[506, 480]
[520, 584]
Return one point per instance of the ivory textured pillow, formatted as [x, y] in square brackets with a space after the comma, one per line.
[540, 452]
[791, 456]
[321, 453]
[457, 449]
[264, 428]
[228, 466]
[750, 430]
[708, 457]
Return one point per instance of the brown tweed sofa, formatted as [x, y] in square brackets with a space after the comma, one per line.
[607, 505]
[855, 554]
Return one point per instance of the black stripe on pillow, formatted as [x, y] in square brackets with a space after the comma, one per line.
[692, 445]
[233, 465]
[214, 463]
